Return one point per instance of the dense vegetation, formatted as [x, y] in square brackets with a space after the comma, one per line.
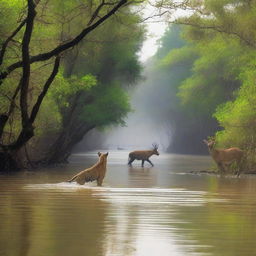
[217, 56]
[62, 63]
[187, 123]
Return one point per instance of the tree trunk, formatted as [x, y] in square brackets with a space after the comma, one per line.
[8, 153]
[62, 147]
[8, 163]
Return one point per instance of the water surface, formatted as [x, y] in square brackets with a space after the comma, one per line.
[150, 211]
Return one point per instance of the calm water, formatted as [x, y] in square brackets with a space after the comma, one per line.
[156, 211]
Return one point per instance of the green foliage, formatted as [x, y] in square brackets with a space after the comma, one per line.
[171, 39]
[49, 120]
[215, 56]
[110, 55]
[11, 12]
[110, 107]
[166, 71]
[222, 81]
[179, 56]
[64, 88]
[92, 74]
[210, 66]
[238, 119]
[214, 74]
[113, 51]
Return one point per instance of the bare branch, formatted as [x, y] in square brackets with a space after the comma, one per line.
[45, 89]
[95, 14]
[5, 44]
[218, 29]
[10, 38]
[59, 49]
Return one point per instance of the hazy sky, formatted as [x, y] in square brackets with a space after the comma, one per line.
[156, 28]
[155, 31]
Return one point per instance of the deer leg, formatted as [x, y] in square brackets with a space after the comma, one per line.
[149, 162]
[239, 167]
[130, 161]
[221, 167]
[142, 163]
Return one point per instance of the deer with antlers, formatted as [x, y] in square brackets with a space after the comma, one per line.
[224, 157]
[143, 155]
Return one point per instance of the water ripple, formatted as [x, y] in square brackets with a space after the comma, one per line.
[136, 196]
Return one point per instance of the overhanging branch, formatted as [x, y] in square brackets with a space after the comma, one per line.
[45, 89]
[219, 29]
[59, 49]
[6, 42]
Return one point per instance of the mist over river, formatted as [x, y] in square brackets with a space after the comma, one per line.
[161, 210]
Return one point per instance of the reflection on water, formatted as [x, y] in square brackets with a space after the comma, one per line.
[162, 210]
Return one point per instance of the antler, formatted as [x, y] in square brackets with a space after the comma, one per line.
[155, 145]
[210, 141]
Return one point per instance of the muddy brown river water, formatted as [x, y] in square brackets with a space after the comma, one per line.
[163, 210]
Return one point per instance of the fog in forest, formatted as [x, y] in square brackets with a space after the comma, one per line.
[158, 114]
[156, 117]
[148, 122]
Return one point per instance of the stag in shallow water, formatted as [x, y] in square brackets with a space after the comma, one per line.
[143, 155]
[224, 157]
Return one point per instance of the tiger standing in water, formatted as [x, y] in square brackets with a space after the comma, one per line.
[96, 172]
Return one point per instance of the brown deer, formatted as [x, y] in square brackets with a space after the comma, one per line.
[96, 172]
[224, 157]
[143, 155]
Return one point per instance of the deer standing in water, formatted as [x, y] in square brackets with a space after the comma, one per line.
[224, 157]
[143, 155]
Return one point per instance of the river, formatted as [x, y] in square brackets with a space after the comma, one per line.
[162, 210]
